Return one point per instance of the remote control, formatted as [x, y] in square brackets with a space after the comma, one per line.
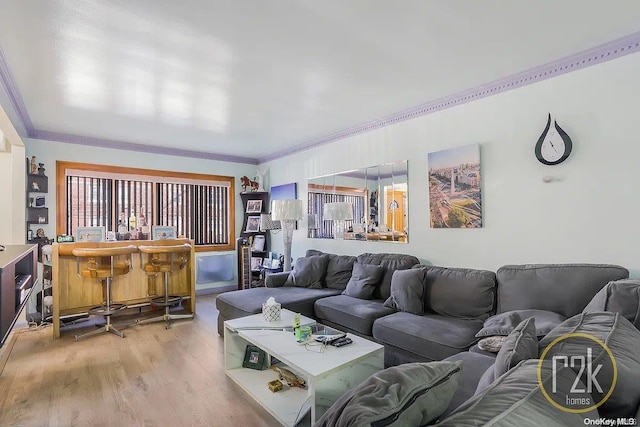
[341, 342]
[328, 339]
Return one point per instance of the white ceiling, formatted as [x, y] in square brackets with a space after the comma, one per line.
[255, 77]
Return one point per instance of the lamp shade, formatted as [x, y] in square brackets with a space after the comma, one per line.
[266, 223]
[283, 210]
[338, 211]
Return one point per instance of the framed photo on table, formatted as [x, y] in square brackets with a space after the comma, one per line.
[256, 262]
[254, 206]
[161, 232]
[253, 357]
[90, 234]
[253, 224]
[258, 243]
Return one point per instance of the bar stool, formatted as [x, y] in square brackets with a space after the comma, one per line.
[99, 268]
[165, 259]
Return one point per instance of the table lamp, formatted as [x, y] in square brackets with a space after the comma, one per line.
[338, 212]
[287, 212]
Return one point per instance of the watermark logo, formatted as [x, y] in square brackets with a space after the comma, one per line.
[594, 377]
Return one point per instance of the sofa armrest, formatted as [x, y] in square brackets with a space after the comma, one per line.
[276, 280]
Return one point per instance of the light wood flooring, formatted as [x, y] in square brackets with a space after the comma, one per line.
[152, 377]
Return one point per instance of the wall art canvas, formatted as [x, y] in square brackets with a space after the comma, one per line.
[454, 187]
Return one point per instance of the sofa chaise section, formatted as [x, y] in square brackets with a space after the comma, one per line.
[232, 305]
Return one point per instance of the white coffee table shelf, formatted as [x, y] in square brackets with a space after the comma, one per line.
[328, 374]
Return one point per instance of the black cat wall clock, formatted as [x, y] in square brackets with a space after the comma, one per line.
[554, 145]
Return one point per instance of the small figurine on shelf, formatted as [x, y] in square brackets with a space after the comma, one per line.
[34, 165]
[40, 168]
[35, 186]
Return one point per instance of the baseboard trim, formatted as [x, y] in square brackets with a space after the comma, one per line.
[217, 290]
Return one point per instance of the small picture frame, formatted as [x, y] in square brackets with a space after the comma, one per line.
[254, 206]
[275, 263]
[266, 262]
[254, 358]
[253, 224]
[256, 262]
[162, 232]
[90, 234]
[258, 243]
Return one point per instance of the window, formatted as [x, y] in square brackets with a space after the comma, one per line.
[201, 207]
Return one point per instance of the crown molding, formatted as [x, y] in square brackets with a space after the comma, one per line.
[130, 146]
[606, 52]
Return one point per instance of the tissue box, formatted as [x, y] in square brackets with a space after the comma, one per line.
[271, 312]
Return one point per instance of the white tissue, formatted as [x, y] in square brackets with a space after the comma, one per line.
[270, 301]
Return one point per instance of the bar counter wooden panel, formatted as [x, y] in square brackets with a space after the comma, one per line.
[74, 295]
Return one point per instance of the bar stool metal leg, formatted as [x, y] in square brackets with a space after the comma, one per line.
[105, 274]
[177, 260]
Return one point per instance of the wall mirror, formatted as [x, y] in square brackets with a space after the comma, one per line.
[362, 204]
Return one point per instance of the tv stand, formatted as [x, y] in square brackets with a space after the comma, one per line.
[18, 274]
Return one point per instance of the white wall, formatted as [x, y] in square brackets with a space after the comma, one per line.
[49, 152]
[12, 185]
[589, 215]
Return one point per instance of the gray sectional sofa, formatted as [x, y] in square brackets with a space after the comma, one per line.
[423, 313]
[455, 302]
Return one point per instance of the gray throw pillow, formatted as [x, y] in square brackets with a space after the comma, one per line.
[413, 394]
[364, 279]
[622, 339]
[407, 290]
[521, 344]
[339, 271]
[620, 296]
[308, 272]
[516, 399]
[504, 323]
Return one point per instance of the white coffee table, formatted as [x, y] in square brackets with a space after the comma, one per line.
[328, 374]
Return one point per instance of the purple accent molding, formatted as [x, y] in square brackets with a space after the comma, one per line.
[606, 52]
[11, 87]
[130, 146]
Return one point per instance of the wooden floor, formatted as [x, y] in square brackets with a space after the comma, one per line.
[152, 377]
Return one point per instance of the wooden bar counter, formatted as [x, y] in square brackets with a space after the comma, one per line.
[74, 295]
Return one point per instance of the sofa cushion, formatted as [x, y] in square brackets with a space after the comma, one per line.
[622, 339]
[413, 394]
[244, 302]
[363, 281]
[621, 296]
[407, 291]
[515, 399]
[354, 313]
[473, 365]
[308, 272]
[504, 323]
[338, 269]
[460, 292]
[431, 336]
[521, 344]
[390, 263]
[572, 286]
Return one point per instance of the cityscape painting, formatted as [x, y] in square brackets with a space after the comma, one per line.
[454, 188]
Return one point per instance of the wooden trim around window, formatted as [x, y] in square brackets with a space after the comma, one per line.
[61, 200]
